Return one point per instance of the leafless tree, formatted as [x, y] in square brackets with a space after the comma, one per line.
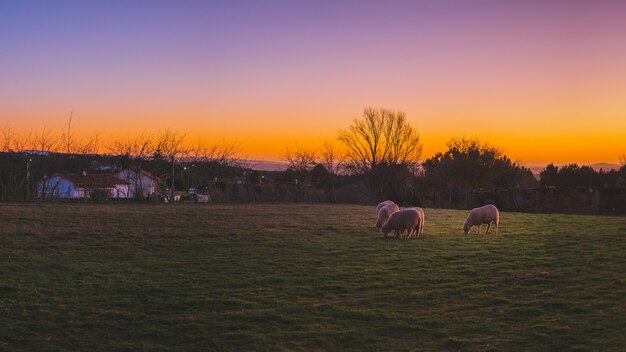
[45, 141]
[301, 161]
[140, 147]
[622, 159]
[223, 153]
[8, 137]
[332, 162]
[172, 146]
[380, 136]
[137, 150]
[90, 146]
[72, 145]
[11, 141]
[67, 136]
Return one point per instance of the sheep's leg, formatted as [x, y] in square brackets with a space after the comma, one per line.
[488, 226]
[497, 227]
[478, 229]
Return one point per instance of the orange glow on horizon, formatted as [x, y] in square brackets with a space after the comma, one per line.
[554, 142]
[544, 81]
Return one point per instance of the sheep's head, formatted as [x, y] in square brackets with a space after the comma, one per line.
[379, 223]
[383, 216]
[466, 227]
[386, 228]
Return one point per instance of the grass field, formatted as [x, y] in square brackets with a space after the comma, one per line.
[87, 277]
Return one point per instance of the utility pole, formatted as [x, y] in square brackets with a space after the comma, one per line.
[30, 159]
[173, 176]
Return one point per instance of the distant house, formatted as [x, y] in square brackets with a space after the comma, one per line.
[70, 186]
[142, 184]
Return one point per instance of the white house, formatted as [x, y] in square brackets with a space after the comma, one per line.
[142, 184]
[83, 185]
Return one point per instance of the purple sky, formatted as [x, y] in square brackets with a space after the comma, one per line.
[273, 72]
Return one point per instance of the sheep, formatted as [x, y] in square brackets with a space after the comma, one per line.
[384, 212]
[482, 215]
[406, 219]
[382, 204]
[421, 227]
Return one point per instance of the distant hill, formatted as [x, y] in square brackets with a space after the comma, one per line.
[267, 165]
[536, 169]
[605, 166]
[272, 165]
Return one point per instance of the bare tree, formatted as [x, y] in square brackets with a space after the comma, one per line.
[68, 137]
[380, 136]
[300, 161]
[72, 145]
[622, 159]
[8, 137]
[44, 141]
[90, 146]
[332, 162]
[221, 153]
[172, 146]
[11, 141]
[136, 151]
[141, 146]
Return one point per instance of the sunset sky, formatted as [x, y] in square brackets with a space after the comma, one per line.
[544, 80]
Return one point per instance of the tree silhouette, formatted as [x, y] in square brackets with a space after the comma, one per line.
[380, 136]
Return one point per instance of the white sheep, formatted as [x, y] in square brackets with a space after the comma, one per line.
[482, 215]
[382, 204]
[384, 213]
[421, 227]
[406, 219]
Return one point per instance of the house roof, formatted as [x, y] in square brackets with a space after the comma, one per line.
[93, 180]
[127, 173]
[149, 174]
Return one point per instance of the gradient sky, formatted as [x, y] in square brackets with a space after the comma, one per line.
[544, 80]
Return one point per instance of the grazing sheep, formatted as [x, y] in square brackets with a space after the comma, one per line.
[406, 219]
[384, 213]
[483, 215]
[382, 204]
[421, 227]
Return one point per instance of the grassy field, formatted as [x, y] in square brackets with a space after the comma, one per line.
[304, 277]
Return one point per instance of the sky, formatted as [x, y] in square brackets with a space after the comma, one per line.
[543, 80]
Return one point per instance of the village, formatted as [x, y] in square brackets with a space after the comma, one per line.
[50, 177]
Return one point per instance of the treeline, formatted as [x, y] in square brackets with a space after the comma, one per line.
[383, 152]
[573, 175]
[379, 156]
[445, 179]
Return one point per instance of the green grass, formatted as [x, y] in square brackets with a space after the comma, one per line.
[304, 277]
